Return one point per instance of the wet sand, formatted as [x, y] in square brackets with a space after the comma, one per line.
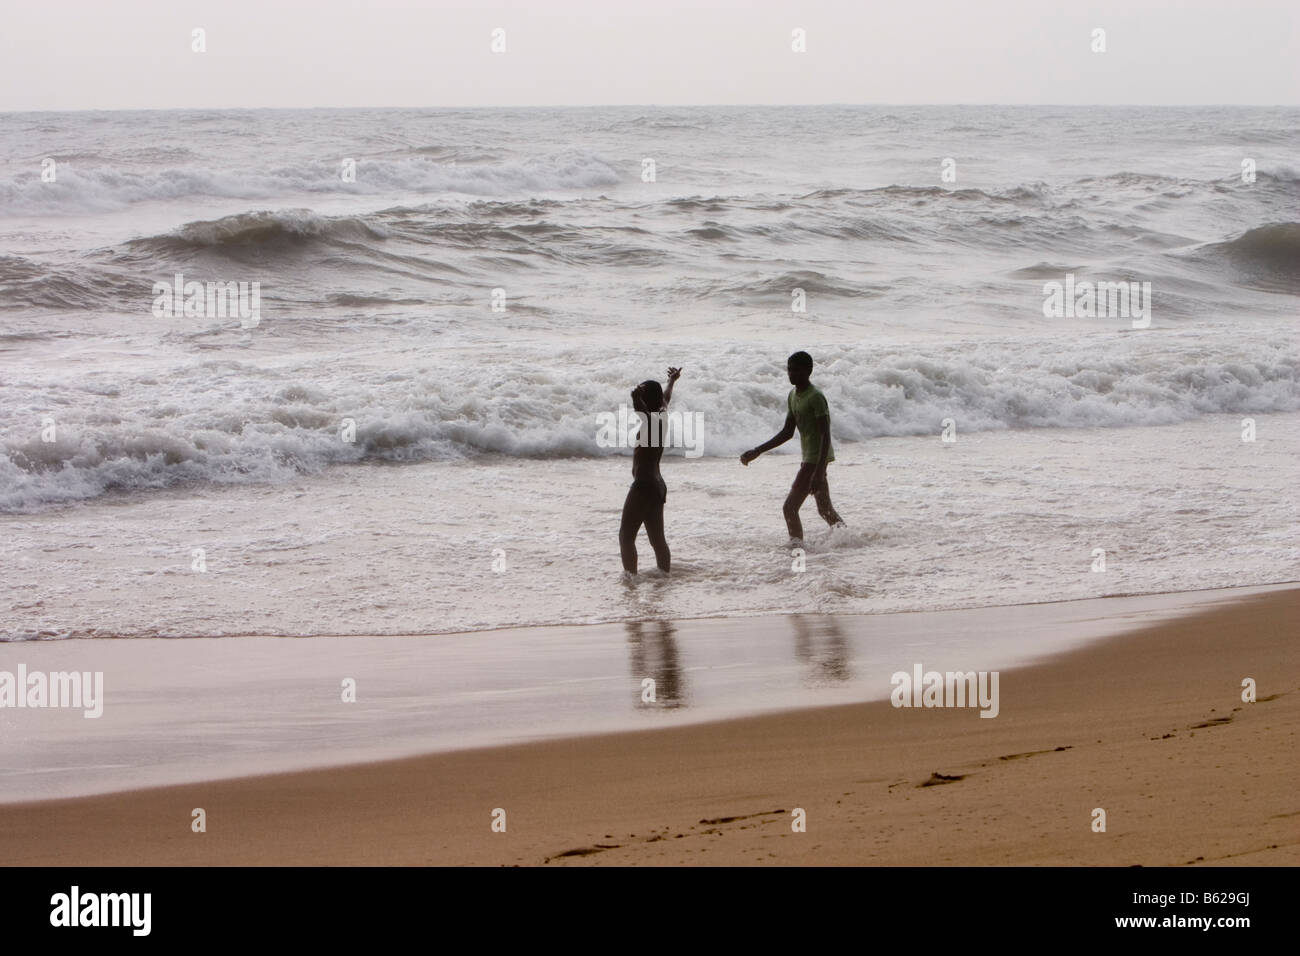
[179, 711]
[1149, 726]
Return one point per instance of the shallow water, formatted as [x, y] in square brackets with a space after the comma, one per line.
[1005, 517]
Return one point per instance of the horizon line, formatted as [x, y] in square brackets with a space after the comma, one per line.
[656, 106]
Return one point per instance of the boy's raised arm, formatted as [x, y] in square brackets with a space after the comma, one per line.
[673, 375]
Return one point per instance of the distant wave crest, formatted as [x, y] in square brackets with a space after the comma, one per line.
[85, 188]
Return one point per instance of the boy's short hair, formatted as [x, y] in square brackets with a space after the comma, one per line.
[801, 359]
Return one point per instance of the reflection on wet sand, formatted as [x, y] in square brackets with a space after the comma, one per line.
[653, 649]
[820, 643]
[820, 646]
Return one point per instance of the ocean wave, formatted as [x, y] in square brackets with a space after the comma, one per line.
[658, 123]
[266, 236]
[227, 423]
[265, 229]
[1282, 174]
[28, 284]
[351, 299]
[1117, 186]
[945, 193]
[84, 188]
[759, 288]
[1266, 257]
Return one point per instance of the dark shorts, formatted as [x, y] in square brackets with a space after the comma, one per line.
[820, 491]
[806, 470]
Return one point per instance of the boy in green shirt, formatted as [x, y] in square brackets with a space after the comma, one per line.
[808, 412]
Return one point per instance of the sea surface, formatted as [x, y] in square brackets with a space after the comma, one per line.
[406, 440]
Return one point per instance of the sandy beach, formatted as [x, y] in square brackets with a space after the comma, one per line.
[1148, 726]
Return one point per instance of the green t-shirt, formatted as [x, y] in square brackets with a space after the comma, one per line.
[806, 407]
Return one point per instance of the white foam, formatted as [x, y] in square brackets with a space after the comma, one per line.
[84, 188]
[248, 423]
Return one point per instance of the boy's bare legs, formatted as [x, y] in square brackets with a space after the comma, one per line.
[654, 530]
[638, 509]
[795, 499]
[799, 494]
[633, 515]
[822, 495]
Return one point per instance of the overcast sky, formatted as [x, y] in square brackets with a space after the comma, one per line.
[111, 54]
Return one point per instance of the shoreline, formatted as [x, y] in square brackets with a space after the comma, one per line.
[1147, 725]
[200, 709]
[703, 619]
